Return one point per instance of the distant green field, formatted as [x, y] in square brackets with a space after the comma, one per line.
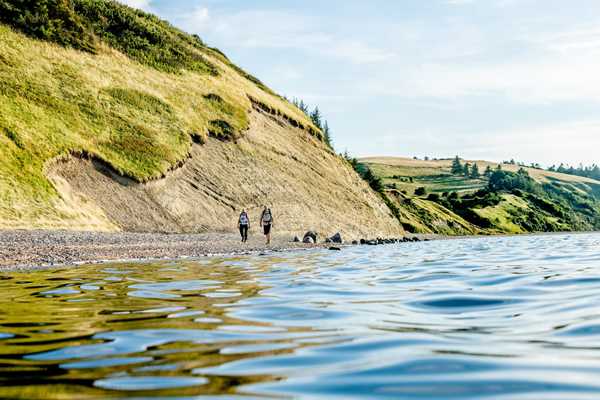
[434, 180]
[553, 202]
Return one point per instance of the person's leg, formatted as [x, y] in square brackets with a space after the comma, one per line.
[242, 232]
[269, 234]
[245, 233]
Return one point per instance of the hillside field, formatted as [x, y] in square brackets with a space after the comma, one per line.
[455, 204]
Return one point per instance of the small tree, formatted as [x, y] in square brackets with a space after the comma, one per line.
[372, 180]
[303, 107]
[488, 172]
[467, 170]
[327, 135]
[475, 172]
[433, 197]
[317, 118]
[457, 167]
[420, 191]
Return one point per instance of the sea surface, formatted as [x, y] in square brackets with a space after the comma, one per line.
[483, 318]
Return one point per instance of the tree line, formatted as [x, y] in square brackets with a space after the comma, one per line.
[592, 171]
[317, 119]
[469, 171]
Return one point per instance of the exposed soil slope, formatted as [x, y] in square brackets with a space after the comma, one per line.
[273, 163]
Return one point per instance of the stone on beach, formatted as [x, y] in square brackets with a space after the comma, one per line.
[310, 237]
[337, 238]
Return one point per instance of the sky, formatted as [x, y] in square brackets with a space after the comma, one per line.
[483, 79]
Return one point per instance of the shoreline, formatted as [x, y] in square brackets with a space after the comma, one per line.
[25, 250]
[30, 250]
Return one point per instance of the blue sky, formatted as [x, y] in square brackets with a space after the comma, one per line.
[486, 79]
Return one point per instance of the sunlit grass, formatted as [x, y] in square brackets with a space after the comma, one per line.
[140, 120]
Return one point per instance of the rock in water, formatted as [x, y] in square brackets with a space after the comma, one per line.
[296, 239]
[333, 248]
[308, 240]
[355, 242]
[310, 234]
[337, 238]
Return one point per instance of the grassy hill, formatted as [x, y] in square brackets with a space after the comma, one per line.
[111, 116]
[455, 204]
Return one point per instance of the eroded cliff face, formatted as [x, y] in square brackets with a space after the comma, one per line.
[273, 163]
[106, 140]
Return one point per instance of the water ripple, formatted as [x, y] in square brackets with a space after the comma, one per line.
[504, 317]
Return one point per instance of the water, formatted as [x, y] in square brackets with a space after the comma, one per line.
[490, 318]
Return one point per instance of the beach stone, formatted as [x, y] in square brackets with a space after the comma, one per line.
[372, 243]
[328, 240]
[310, 234]
[296, 239]
[337, 238]
[355, 242]
[363, 241]
[308, 240]
[333, 248]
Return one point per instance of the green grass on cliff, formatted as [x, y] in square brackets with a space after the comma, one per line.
[112, 82]
[85, 24]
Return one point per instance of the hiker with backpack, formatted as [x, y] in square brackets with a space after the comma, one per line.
[266, 221]
[244, 225]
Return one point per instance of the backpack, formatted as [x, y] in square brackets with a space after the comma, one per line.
[267, 217]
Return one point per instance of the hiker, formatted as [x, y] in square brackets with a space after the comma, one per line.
[266, 221]
[244, 225]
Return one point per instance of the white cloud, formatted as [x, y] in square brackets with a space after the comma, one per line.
[264, 29]
[459, 2]
[197, 19]
[546, 67]
[545, 144]
[141, 4]
[548, 144]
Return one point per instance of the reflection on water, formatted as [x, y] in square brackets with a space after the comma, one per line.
[514, 318]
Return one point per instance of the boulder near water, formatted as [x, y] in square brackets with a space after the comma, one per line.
[337, 238]
[310, 235]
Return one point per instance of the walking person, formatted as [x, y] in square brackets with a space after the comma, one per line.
[244, 225]
[266, 221]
